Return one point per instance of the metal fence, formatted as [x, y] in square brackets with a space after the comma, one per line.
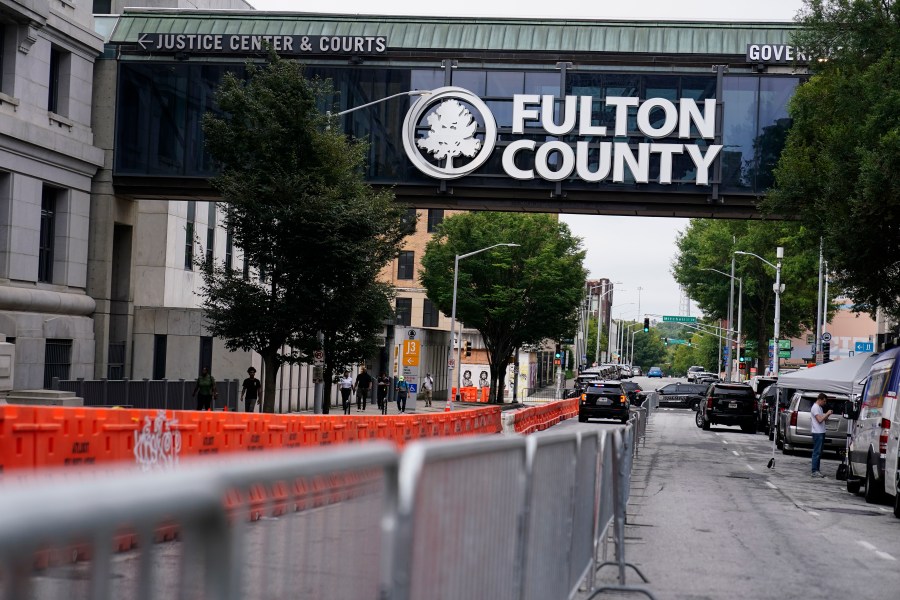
[175, 394]
[500, 517]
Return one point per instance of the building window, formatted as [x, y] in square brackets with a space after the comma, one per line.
[210, 234]
[406, 264]
[229, 249]
[430, 314]
[7, 56]
[159, 356]
[49, 198]
[189, 235]
[246, 270]
[58, 88]
[115, 367]
[409, 221]
[102, 7]
[57, 361]
[435, 218]
[404, 312]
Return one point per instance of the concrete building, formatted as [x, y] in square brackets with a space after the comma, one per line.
[47, 159]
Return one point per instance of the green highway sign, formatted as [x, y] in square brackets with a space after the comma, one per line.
[678, 319]
[782, 345]
[675, 342]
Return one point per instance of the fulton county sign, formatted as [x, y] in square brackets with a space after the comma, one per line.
[456, 151]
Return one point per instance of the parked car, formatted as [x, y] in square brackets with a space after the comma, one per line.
[794, 427]
[610, 370]
[682, 395]
[604, 400]
[692, 371]
[654, 372]
[892, 461]
[624, 371]
[586, 379]
[729, 404]
[705, 378]
[765, 390]
[634, 392]
[636, 371]
[874, 415]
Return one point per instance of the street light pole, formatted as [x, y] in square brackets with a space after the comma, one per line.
[728, 372]
[458, 258]
[740, 281]
[778, 288]
[328, 113]
[600, 317]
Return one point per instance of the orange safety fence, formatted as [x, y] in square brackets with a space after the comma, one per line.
[36, 437]
[538, 418]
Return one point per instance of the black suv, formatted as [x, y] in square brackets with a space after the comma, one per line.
[634, 392]
[729, 404]
[682, 395]
[604, 400]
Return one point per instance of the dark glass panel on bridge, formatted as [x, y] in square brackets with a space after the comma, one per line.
[739, 129]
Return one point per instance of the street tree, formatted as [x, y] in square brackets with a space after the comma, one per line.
[707, 243]
[838, 170]
[591, 344]
[649, 349]
[295, 202]
[512, 296]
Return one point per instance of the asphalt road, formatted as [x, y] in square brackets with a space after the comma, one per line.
[709, 520]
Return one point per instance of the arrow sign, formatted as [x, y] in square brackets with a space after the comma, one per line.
[143, 40]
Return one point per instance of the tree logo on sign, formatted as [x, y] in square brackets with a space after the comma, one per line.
[452, 133]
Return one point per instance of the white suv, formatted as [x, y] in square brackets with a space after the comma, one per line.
[692, 372]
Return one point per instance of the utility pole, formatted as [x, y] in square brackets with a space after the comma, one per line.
[730, 323]
[817, 343]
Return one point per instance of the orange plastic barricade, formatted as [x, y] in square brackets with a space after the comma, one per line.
[485, 394]
[250, 429]
[18, 426]
[70, 436]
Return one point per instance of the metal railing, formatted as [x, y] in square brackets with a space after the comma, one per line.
[166, 394]
[500, 517]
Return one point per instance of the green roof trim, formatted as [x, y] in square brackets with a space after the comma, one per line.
[468, 34]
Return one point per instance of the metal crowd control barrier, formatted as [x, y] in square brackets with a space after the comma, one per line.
[499, 517]
[167, 394]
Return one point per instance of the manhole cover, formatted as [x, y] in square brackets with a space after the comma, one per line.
[848, 511]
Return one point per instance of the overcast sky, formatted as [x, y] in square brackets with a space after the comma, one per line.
[637, 251]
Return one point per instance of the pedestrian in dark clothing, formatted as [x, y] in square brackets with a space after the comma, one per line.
[250, 391]
[205, 390]
[345, 384]
[361, 388]
[402, 390]
[384, 383]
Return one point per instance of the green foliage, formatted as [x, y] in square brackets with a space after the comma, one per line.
[591, 344]
[709, 244]
[296, 203]
[649, 349]
[838, 171]
[703, 351]
[512, 296]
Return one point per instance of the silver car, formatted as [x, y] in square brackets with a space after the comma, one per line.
[794, 424]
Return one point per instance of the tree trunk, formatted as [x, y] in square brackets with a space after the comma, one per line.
[498, 376]
[270, 360]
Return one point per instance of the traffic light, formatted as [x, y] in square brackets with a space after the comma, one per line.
[558, 351]
[468, 348]
[826, 352]
[741, 357]
[667, 341]
[742, 365]
[646, 324]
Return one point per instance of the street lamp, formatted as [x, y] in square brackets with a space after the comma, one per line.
[599, 312]
[740, 315]
[778, 288]
[458, 258]
[328, 113]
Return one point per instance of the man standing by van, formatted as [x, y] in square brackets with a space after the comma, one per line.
[818, 417]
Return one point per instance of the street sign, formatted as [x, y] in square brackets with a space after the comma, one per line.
[411, 353]
[451, 362]
[864, 347]
[810, 338]
[782, 344]
[678, 319]
[826, 337]
[784, 354]
[318, 358]
[673, 341]
[318, 374]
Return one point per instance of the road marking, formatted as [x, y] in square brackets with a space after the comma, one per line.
[771, 485]
[724, 441]
[718, 434]
[883, 509]
[884, 555]
[751, 467]
[866, 545]
[735, 452]
[813, 513]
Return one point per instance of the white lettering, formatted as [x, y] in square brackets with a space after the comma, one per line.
[542, 162]
[585, 126]
[669, 124]
[581, 162]
[621, 103]
[380, 44]
[705, 122]
[666, 151]
[753, 53]
[766, 53]
[639, 167]
[323, 44]
[509, 160]
[521, 114]
[234, 43]
[779, 50]
[702, 162]
[548, 110]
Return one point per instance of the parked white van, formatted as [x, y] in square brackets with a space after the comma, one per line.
[874, 415]
[892, 461]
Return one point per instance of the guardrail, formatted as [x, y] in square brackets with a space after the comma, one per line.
[166, 394]
[500, 517]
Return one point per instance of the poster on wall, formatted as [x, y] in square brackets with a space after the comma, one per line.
[476, 376]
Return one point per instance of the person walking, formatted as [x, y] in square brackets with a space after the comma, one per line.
[361, 388]
[345, 384]
[427, 387]
[818, 416]
[250, 391]
[402, 389]
[384, 383]
[205, 390]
